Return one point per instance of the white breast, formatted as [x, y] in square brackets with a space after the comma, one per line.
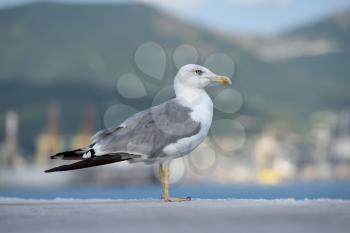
[202, 111]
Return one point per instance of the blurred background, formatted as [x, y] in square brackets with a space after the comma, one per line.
[71, 67]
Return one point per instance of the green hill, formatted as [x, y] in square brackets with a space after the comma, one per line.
[326, 73]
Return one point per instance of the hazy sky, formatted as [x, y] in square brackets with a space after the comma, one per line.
[254, 16]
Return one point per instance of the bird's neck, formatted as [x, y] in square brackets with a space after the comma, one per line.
[194, 98]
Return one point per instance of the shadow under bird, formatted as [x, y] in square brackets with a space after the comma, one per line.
[156, 135]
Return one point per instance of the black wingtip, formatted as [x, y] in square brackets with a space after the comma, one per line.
[70, 155]
[50, 170]
[92, 162]
[58, 155]
[56, 169]
[60, 168]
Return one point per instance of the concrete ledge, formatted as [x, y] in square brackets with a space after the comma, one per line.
[149, 215]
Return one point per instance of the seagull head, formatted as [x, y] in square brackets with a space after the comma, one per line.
[196, 76]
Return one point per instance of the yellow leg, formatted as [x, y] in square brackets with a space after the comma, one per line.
[164, 173]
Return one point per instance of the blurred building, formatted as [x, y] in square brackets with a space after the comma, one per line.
[340, 147]
[82, 138]
[272, 161]
[50, 141]
[318, 166]
[10, 153]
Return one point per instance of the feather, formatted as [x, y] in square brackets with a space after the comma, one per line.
[91, 162]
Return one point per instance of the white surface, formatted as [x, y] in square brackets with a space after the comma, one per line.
[73, 215]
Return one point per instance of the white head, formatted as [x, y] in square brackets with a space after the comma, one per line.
[196, 76]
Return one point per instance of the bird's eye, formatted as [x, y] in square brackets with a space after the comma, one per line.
[198, 72]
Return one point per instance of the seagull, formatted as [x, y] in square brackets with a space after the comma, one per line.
[156, 135]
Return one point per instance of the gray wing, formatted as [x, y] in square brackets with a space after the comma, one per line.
[148, 132]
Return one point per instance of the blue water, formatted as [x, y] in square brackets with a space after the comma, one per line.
[296, 191]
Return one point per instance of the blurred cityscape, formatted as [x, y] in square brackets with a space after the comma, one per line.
[271, 156]
[64, 67]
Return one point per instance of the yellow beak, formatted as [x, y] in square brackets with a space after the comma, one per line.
[222, 79]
